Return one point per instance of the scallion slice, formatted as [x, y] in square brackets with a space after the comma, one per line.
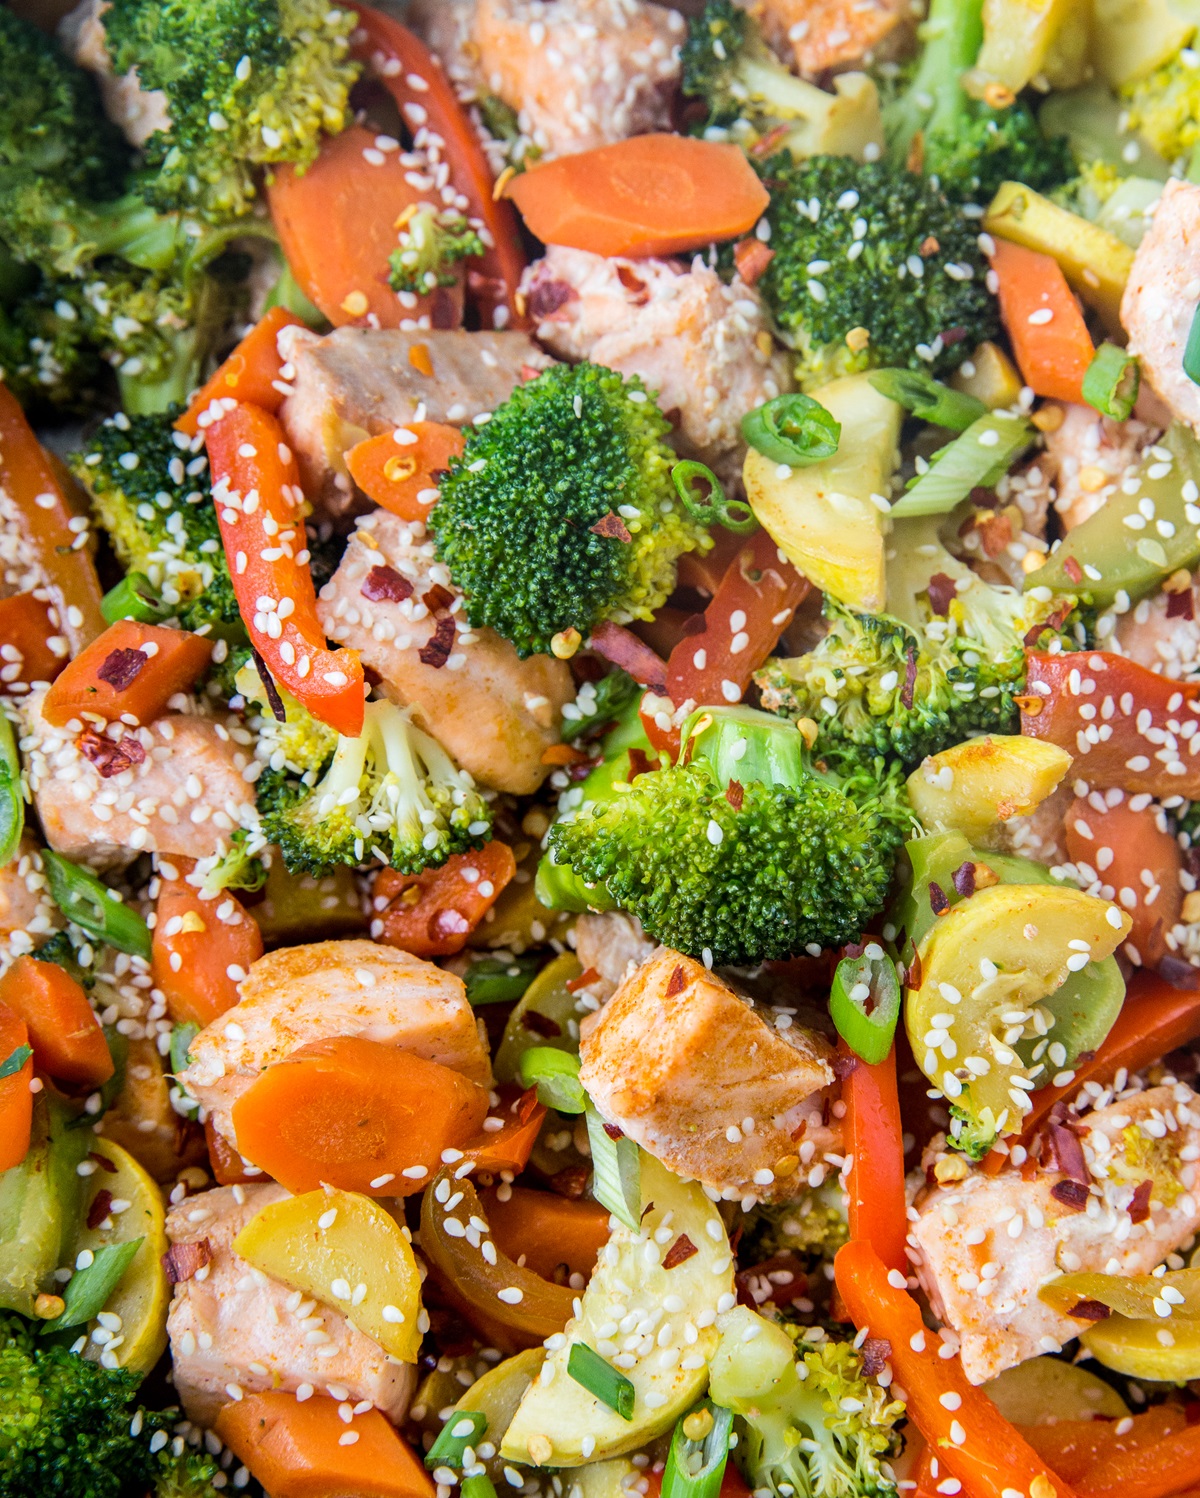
[14, 1061]
[12, 802]
[979, 458]
[88, 1289]
[617, 1172]
[133, 598]
[463, 1428]
[555, 1074]
[88, 902]
[696, 1463]
[599, 1377]
[182, 1037]
[792, 429]
[864, 1002]
[499, 980]
[478, 1486]
[1191, 353]
[928, 398]
[1111, 381]
[704, 499]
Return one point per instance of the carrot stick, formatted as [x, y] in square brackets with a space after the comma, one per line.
[64, 1032]
[649, 195]
[355, 1113]
[509, 1148]
[132, 669]
[297, 1449]
[251, 373]
[432, 914]
[196, 954]
[1050, 339]
[551, 1231]
[25, 626]
[16, 1100]
[396, 475]
[874, 1138]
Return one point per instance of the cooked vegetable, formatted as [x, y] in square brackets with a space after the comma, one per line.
[593, 1373]
[553, 1232]
[542, 1018]
[616, 1172]
[978, 458]
[1045, 39]
[555, 1075]
[131, 672]
[1138, 838]
[696, 1461]
[399, 470]
[16, 1100]
[982, 781]
[451, 900]
[90, 903]
[250, 373]
[195, 951]
[1111, 382]
[12, 802]
[864, 1002]
[793, 429]
[64, 1032]
[874, 1141]
[1050, 340]
[926, 398]
[1163, 104]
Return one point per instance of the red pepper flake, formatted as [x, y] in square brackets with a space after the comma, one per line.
[437, 598]
[103, 1162]
[543, 300]
[751, 257]
[100, 1208]
[676, 983]
[1181, 605]
[916, 972]
[1090, 1310]
[876, 1355]
[735, 794]
[1073, 570]
[964, 879]
[614, 1131]
[182, 1260]
[633, 284]
[541, 1024]
[1068, 1153]
[110, 758]
[385, 585]
[563, 754]
[942, 592]
[680, 1251]
[938, 902]
[436, 650]
[1073, 1194]
[910, 678]
[639, 764]
[448, 922]
[585, 980]
[273, 698]
[996, 532]
[842, 1067]
[528, 372]
[120, 668]
[1139, 1207]
[570, 1182]
[612, 528]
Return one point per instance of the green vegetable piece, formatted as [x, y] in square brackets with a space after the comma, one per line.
[479, 1486]
[710, 507]
[88, 1289]
[555, 1074]
[1191, 352]
[601, 704]
[617, 1172]
[543, 1018]
[1111, 380]
[12, 803]
[499, 980]
[182, 1037]
[793, 429]
[39, 1205]
[133, 598]
[928, 398]
[683, 1478]
[979, 457]
[865, 1002]
[464, 1428]
[88, 902]
[14, 1061]
[599, 1377]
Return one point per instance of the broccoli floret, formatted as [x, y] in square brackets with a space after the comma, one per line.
[1164, 107]
[46, 359]
[297, 743]
[393, 793]
[744, 851]
[150, 492]
[749, 93]
[561, 512]
[248, 83]
[902, 266]
[186, 1475]
[238, 867]
[813, 1225]
[432, 242]
[825, 1432]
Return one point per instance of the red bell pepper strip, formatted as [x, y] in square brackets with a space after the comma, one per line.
[874, 1139]
[398, 57]
[1115, 846]
[965, 1431]
[433, 913]
[1075, 1447]
[1133, 741]
[251, 373]
[25, 627]
[28, 476]
[1156, 1471]
[260, 507]
[1049, 337]
[16, 1100]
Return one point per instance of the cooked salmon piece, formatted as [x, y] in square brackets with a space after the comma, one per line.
[299, 994]
[1161, 297]
[822, 36]
[1159, 640]
[1086, 458]
[137, 111]
[610, 944]
[28, 916]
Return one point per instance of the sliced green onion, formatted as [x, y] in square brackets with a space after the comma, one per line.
[463, 1428]
[88, 1289]
[1111, 381]
[928, 398]
[695, 1466]
[133, 598]
[82, 898]
[978, 458]
[12, 802]
[478, 1486]
[792, 429]
[182, 1037]
[616, 1172]
[555, 1074]
[1191, 353]
[599, 1377]
[14, 1061]
[864, 1003]
[709, 505]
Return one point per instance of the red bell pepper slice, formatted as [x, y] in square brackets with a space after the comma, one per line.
[397, 57]
[623, 648]
[432, 914]
[965, 1431]
[251, 373]
[1116, 845]
[875, 1140]
[260, 507]
[1126, 726]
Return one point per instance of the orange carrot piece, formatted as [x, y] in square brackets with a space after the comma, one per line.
[352, 1112]
[509, 1148]
[337, 222]
[25, 625]
[1054, 351]
[227, 1166]
[649, 195]
[551, 1231]
[131, 669]
[432, 914]
[16, 1100]
[194, 950]
[64, 1032]
[251, 373]
[395, 475]
[1134, 842]
[295, 1449]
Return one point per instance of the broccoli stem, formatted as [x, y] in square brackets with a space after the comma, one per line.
[952, 34]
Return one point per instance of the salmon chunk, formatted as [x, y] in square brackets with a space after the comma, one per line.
[28, 916]
[1161, 297]
[610, 944]
[138, 112]
[822, 36]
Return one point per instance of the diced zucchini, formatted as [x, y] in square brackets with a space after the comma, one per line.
[39, 1207]
[544, 1016]
[980, 782]
[1131, 38]
[1043, 1390]
[1025, 40]
[993, 377]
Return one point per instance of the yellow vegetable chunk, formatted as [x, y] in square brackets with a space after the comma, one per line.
[1129, 1294]
[1167, 1351]
[973, 785]
[347, 1252]
[992, 377]
[1131, 38]
[1042, 1391]
[1024, 40]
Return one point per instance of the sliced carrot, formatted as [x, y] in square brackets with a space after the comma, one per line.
[1117, 845]
[197, 953]
[558, 1237]
[395, 474]
[132, 670]
[297, 1449]
[251, 373]
[337, 222]
[16, 1100]
[509, 1148]
[1049, 337]
[354, 1112]
[26, 627]
[228, 1167]
[432, 914]
[649, 195]
[64, 1032]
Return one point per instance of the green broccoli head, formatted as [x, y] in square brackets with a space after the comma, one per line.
[392, 794]
[561, 512]
[871, 246]
[1164, 106]
[813, 1225]
[297, 744]
[184, 1474]
[46, 359]
[432, 243]
[745, 852]
[986, 147]
[249, 83]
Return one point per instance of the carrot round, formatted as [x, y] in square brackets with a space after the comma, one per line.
[297, 1449]
[25, 627]
[449, 902]
[132, 669]
[354, 1112]
[64, 1032]
[251, 373]
[16, 1100]
[649, 195]
[337, 222]
[396, 474]
[197, 954]
[553, 1232]
[1050, 339]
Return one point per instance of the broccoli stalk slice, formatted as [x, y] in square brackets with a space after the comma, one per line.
[952, 34]
[431, 246]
